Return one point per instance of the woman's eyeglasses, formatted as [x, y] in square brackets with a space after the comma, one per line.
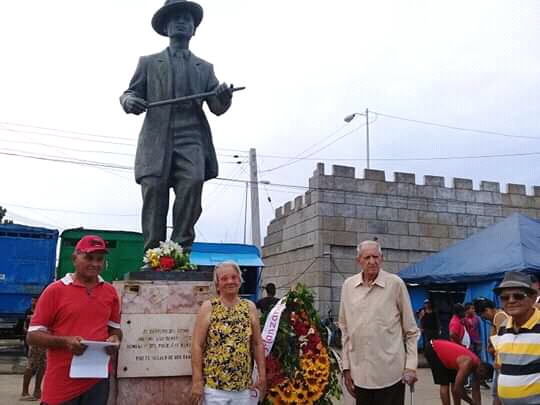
[517, 296]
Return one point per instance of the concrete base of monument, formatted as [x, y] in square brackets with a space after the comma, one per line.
[150, 275]
[158, 315]
[154, 390]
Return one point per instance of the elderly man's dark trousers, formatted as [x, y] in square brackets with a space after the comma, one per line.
[393, 395]
[186, 178]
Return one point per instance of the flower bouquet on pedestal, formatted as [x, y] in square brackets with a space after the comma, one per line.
[300, 367]
[169, 256]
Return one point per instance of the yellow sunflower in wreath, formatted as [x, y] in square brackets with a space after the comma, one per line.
[300, 368]
[308, 384]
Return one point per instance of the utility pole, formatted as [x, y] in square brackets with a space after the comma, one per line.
[245, 210]
[255, 221]
[367, 139]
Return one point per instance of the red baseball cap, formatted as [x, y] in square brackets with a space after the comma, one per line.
[91, 244]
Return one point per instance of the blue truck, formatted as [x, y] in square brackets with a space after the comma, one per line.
[27, 266]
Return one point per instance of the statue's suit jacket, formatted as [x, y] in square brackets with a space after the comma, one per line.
[153, 81]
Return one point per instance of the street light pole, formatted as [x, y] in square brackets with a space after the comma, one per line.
[349, 118]
[367, 139]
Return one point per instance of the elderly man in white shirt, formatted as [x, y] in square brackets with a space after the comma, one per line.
[379, 332]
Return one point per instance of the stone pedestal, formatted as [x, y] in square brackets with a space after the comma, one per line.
[158, 314]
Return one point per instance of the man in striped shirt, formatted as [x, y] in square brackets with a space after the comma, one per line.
[518, 341]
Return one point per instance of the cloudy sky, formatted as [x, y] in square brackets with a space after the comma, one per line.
[452, 88]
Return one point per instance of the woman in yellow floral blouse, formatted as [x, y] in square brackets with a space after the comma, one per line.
[226, 338]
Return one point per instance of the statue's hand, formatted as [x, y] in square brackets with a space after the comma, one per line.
[224, 93]
[135, 105]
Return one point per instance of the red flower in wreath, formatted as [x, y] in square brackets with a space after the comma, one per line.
[166, 263]
[274, 374]
[313, 341]
[300, 324]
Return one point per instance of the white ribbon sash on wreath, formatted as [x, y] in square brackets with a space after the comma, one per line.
[269, 334]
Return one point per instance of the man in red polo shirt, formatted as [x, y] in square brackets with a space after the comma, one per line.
[452, 363]
[79, 306]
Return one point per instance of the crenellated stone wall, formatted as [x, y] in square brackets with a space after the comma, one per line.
[313, 239]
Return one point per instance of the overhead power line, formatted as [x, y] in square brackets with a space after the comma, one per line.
[8, 152]
[299, 158]
[58, 147]
[65, 160]
[82, 162]
[131, 154]
[108, 142]
[486, 156]
[499, 155]
[61, 130]
[435, 124]
[71, 211]
[238, 183]
[239, 153]
[293, 159]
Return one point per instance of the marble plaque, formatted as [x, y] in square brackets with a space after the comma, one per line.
[155, 345]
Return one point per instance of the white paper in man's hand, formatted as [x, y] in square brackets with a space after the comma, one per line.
[93, 363]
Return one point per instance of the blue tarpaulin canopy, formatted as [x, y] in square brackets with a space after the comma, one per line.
[210, 254]
[475, 266]
[512, 244]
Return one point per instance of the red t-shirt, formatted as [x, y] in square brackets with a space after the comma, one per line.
[66, 308]
[472, 324]
[448, 352]
[455, 327]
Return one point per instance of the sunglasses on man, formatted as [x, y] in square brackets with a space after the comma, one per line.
[517, 296]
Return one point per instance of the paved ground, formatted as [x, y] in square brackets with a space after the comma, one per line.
[425, 393]
[12, 364]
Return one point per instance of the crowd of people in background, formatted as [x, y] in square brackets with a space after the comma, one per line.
[511, 345]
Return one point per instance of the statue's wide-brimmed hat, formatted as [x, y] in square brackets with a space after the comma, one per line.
[171, 7]
[516, 279]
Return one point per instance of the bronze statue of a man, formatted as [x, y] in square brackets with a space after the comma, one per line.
[175, 148]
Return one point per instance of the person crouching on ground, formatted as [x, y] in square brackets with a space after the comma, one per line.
[226, 337]
[451, 363]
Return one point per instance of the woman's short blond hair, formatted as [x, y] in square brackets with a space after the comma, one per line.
[230, 263]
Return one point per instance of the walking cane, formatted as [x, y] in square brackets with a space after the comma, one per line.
[412, 393]
[190, 97]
